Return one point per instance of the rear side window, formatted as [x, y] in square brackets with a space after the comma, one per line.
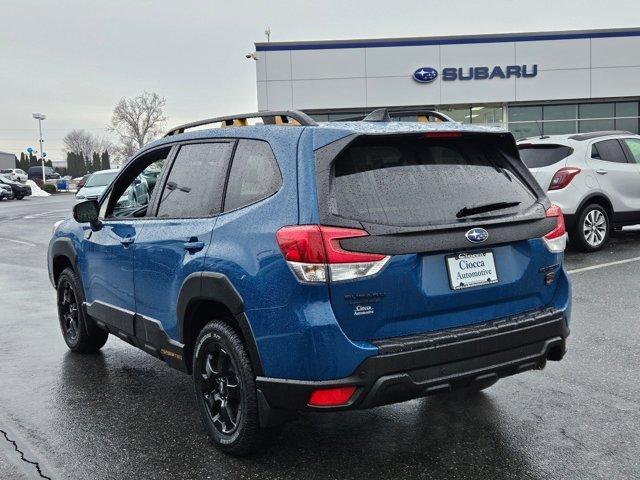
[414, 181]
[609, 151]
[543, 155]
[195, 183]
[254, 175]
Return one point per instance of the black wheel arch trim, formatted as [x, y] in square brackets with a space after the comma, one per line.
[216, 287]
[61, 247]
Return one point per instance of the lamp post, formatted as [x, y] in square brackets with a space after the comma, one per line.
[40, 117]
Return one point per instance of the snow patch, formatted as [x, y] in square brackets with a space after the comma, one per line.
[36, 191]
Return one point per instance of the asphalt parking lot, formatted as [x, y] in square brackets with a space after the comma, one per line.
[123, 414]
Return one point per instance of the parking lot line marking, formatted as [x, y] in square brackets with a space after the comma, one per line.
[36, 215]
[28, 244]
[602, 265]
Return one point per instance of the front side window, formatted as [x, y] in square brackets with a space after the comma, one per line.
[608, 151]
[254, 175]
[131, 194]
[195, 184]
[634, 147]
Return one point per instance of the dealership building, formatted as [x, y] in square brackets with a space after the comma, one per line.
[531, 83]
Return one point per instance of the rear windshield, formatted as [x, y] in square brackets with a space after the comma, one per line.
[100, 179]
[417, 181]
[536, 156]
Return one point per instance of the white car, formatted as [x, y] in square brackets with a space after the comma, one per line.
[15, 174]
[137, 194]
[594, 177]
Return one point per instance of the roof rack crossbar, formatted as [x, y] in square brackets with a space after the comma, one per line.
[270, 117]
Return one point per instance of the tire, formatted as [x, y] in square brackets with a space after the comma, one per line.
[19, 197]
[225, 389]
[78, 334]
[592, 228]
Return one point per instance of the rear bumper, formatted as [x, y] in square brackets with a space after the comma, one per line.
[421, 365]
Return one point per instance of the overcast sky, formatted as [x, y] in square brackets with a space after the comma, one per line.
[73, 59]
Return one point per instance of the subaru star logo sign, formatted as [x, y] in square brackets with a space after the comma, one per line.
[477, 235]
[425, 74]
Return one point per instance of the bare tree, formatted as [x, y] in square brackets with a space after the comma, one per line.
[80, 141]
[138, 120]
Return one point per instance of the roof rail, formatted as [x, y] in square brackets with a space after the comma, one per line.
[277, 117]
[592, 135]
[422, 115]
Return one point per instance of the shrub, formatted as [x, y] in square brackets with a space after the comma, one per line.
[47, 187]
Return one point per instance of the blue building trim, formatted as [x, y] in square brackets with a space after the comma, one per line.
[411, 42]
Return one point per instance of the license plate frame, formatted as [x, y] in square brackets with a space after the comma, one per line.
[488, 258]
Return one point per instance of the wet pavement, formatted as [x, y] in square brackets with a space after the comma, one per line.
[123, 414]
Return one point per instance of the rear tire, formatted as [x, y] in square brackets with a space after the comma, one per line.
[592, 228]
[19, 197]
[78, 334]
[225, 389]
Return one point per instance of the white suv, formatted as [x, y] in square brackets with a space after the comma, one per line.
[594, 177]
[15, 174]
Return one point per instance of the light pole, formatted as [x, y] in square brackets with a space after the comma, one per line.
[40, 117]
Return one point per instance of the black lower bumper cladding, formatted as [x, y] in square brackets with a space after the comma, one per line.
[420, 365]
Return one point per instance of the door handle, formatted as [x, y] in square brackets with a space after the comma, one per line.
[126, 241]
[195, 246]
[602, 171]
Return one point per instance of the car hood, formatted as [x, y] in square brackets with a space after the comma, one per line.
[91, 191]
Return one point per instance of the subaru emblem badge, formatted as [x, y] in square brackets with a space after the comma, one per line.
[477, 235]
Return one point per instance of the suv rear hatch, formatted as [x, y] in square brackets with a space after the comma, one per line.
[538, 157]
[426, 201]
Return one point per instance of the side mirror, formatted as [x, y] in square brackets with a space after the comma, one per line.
[87, 212]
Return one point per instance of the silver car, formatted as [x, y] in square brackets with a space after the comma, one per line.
[594, 177]
[136, 194]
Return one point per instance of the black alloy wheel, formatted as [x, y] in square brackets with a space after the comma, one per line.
[225, 389]
[79, 332]
[221, 390]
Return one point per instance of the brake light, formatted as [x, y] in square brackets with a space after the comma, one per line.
[556, 239]
[563, 177]
[314, 254]
[442, 134]
[331, 397]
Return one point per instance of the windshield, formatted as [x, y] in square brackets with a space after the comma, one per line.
[543, 155]
[5, 171]
[100, 179]
[416, 181]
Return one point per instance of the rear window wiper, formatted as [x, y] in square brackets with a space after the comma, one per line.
[467, 211]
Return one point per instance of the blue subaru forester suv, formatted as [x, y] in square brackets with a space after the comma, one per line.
[294, 266]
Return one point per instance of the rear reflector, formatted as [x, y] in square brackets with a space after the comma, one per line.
[314, 254]
[331, 397]
[556, 239]
[563, 177]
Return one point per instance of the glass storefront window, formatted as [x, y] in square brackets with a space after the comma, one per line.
[486, 115]
[520, 114]
[597, 110]
[559, 127]
[524, 130]
[595, 125]
[461, 114]
[627, 109]
[560, 112]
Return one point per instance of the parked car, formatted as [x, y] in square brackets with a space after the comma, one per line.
[100, 180]
[35, 173]
[81, 182]
[594, 177]
[19, 190]
[5, 192]
[320, 267]
[15, 174]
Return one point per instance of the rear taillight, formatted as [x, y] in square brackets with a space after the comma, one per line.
[556, 239]
[563, 177]
[314, 254]
[331, 397]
